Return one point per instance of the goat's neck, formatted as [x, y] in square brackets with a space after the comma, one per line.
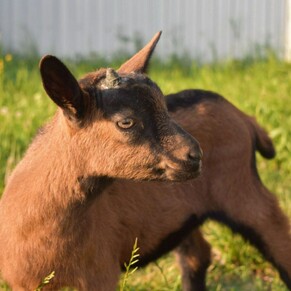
[54, 177]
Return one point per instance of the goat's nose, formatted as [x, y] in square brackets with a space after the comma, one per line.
[195, 155]
[194, 159]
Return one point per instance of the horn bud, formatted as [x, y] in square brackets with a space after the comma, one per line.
[112, 79]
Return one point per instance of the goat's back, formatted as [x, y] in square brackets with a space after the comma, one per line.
[211, 112]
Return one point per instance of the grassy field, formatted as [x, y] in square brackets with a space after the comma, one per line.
[259, 87]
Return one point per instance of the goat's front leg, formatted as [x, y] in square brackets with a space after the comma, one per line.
[257, 216]
[194, 256]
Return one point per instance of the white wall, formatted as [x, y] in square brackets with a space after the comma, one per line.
[206, 29]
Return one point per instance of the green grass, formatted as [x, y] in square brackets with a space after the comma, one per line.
[261, 88]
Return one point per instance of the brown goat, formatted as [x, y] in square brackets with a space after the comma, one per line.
[109, 125]
[96, 234]
[165, 215]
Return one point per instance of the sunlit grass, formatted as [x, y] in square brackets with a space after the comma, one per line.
[261, 88]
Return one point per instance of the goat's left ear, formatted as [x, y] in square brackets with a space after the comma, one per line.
[139, 62]
[62, 87]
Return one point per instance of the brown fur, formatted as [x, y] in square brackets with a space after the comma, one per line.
[107, 126]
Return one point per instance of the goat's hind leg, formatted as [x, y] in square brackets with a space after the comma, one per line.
[259, 219]
[194, 256]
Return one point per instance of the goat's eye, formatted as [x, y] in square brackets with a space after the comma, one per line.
[126, 123]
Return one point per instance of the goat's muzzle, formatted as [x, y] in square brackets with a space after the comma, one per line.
[188, 167]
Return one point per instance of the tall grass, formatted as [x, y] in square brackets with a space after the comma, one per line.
[261, 88]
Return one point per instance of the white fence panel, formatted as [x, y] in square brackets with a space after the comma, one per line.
[205, 29]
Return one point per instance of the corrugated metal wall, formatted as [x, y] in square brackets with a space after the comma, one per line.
[206, 29]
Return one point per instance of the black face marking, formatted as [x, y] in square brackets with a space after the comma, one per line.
[137, 98]
[188, 98]
[142, 104]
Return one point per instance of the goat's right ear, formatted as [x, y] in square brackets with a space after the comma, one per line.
[62, 87]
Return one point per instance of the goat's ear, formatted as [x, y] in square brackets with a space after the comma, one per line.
[62, 87]
[139, 62]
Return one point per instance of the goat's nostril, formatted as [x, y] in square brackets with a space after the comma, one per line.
[194, 156]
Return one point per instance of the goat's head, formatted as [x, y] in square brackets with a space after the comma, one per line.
[118, 123]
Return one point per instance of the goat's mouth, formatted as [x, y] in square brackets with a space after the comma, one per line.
[178, 173]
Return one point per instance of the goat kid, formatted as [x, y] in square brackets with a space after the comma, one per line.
[165, 215]
[109, 125]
